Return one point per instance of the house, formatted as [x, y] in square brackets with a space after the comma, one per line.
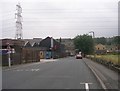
[100, 49]
[112, 48]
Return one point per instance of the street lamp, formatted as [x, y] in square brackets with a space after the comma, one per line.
[93, 40]
[93, 33]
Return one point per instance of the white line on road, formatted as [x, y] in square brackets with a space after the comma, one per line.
[99, 79]
[21, 66]
[27, 70]
[27, 65]
[19, 70]
[95, 73]
[34, 69]
[86, 86]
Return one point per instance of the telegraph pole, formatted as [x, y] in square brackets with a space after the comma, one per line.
[18, 18]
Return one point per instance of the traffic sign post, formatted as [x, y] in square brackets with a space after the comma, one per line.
[9, 60]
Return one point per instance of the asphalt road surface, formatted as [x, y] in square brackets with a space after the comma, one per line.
[64, 73]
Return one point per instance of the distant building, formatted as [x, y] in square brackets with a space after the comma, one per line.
[29, 50]
[12, 42]
[32, 41]
[69, 45]
[100, 49]
[112, 48]
[54, 48]
[31, 53]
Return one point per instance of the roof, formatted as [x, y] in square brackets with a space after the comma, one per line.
[100, 45]
[12, 42]
[33, 41]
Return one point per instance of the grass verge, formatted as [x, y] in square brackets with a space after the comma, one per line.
[109, 57]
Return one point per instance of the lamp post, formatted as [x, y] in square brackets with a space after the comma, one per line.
[93, 40]
[93, 33]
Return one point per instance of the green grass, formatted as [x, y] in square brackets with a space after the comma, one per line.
[112, 58]
[108, 57]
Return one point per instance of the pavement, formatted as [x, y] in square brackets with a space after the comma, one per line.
[109, 77]
[64, 73]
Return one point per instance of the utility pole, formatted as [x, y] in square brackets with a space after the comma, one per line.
[18, 18]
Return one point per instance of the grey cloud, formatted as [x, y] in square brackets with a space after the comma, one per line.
[64, 18]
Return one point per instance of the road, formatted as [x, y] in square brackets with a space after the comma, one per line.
[64, 73]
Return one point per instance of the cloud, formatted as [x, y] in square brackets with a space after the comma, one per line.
[65, 18]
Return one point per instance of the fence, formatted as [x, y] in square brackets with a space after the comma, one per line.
[21, 56]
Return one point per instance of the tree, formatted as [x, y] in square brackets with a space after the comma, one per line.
[84, 43]
[100, 40]
[116, 40]
[109, 41]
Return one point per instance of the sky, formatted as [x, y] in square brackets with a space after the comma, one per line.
[60, 18]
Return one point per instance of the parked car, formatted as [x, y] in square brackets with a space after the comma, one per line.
[78, 56]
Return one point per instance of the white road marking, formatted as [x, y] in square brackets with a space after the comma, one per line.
[28, 70]
[19, 70]
[86, 86]
[97, 76]
[26, 65]
[34, 69]
[99, 79]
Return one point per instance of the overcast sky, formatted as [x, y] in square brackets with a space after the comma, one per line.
[61, 18]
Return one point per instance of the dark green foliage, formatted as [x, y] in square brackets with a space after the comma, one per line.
[116, 40]
[84, 43]
[100, 40]
[108, 41]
